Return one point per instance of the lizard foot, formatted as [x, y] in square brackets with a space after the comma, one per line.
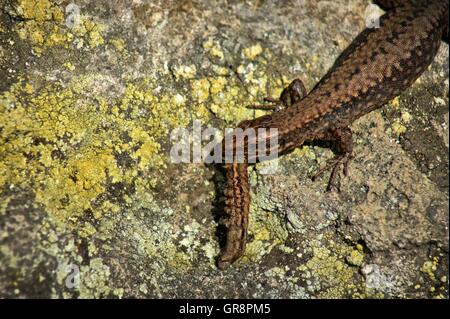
[342, 138]
[333, 182]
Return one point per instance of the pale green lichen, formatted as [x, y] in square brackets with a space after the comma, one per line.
[94, 280]
[161, 244]
[356, 256]
[266, 228]
[64, 143]
[327, 274]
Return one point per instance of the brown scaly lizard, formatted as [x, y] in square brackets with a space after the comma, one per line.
[378, 65]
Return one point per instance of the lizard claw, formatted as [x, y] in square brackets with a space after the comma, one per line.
[271, 104]
[334, 166]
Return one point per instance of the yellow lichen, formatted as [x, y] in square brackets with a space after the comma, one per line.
[44, 27]
[252, 52]
[69, 66]
[200, 89]
[227, 103]
[119, 44]
[398, 128]
[331, 275]
[395, 102]
[429, 267]
[70, 190]
[64, 146]
[185, 71]
[94, 31]
[356, 257]
[406, 117]
[148, 151]
[39, 10]
[213, 49]
[217, 85]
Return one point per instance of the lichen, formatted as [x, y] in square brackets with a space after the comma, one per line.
[266, 228]
[185, 71]
[65, 146]
[429, 267]
[356, 256]
[94, 280]
[119, 44]
[327, 274]
[213, 48]
[45, 27]
[252, 52]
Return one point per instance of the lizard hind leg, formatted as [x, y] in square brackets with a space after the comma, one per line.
[290, 95]
[343, 139]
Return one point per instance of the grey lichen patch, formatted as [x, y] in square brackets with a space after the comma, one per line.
[378, 281]
[282, 278]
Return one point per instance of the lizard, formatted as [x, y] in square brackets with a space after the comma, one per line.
[378, 65]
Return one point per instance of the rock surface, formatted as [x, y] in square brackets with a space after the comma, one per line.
[91, 205]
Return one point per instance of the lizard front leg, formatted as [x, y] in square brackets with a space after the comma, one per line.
[342, 137]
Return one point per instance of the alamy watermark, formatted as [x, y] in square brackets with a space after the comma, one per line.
[208, 145]
[73, 15]
[72, 280]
